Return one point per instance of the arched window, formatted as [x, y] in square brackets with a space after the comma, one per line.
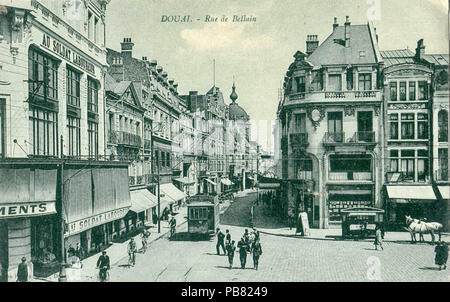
[443, 126]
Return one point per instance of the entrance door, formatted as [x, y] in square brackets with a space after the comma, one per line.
[3, 251]
[365, 126]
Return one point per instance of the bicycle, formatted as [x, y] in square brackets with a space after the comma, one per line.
[103, 274]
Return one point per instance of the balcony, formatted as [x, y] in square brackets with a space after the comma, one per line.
[359, 138]
[129, 139]
[299, 140]
[112, 137]
[334, 96]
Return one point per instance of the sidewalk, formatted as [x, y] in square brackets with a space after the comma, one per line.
[118, 251]
[270, 225]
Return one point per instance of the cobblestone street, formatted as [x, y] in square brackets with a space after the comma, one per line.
[284, 259]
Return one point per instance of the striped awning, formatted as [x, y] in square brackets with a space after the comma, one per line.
[411, 192]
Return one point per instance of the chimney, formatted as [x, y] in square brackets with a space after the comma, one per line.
[311, 44]
[144, 59]
[347, 31]
[335, 24]
[420, 50]
[127, 47]
[376, 35]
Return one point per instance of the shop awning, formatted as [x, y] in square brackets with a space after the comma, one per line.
[269, 185]
[172, 192]
[445, 191]
[210, 181]
[142, 200]
[226, 181]
[411, 192]
[185, 181]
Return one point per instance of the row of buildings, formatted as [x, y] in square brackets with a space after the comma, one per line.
[87, 133]
[358, 126]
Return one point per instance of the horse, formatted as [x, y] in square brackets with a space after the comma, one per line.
[414, 226]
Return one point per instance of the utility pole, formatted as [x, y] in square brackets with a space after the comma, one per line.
[62, 272]
[257, 174]
[159, 198]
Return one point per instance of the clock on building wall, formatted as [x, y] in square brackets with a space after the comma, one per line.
[316, 115]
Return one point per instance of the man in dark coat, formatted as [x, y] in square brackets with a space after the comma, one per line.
[230, 251]
[220, 242]
[103, 265]
[22, 271]
[243, 248]
[257, 252]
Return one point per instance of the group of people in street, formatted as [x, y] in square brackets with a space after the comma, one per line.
[249, 243]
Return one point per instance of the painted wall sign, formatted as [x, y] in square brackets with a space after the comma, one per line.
[93, 221]
[27, 209]
[67, 53]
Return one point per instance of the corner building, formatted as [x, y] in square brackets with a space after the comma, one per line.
[331, 122]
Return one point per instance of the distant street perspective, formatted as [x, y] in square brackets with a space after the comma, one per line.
[231, 141]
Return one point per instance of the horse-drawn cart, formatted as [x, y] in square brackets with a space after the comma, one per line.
[361, 221]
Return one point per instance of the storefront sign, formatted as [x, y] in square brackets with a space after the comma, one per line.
[68, 54]
[93, 221]
[27, 209]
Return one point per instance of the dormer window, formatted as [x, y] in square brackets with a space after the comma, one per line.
[365, 81]
[300, 84]
[334, 82]
[362, 53]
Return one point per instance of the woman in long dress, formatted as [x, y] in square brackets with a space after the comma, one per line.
[378, 239]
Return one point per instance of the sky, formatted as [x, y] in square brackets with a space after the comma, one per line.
[257, 54]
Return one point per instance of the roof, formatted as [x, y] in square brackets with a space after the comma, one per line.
[331, 52]
[236, 112]
[437, 59]
[398, 56]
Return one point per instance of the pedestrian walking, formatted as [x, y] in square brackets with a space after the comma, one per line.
[243, 248]
[257, 252]
[231, 248]
[22, 271]
[378, 238]
[227, 240]
[220, 242]
[441, 257]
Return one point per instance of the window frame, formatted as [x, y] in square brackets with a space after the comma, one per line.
[364, 81]
[73, 82]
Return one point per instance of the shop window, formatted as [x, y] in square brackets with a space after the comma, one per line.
[93, 139]
[92, 101]
[346, 163]
[42, 77]
[412, 91]
[43, 132]
[364, 81]
[402, 91]
[73, 87]
[74, 141]
[393, 90]
[443, 126]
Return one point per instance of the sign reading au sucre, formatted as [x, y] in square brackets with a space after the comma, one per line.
[27, 209]
[87, 223]
[67, 53]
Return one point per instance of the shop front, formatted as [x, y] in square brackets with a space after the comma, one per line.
[419, 202]
[28, 224]
[142, 204]
[94, 216]
[175, 196]
[444, 191]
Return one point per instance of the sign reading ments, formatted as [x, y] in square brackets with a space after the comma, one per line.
[87, 223]
[27, 209]
[66, 53]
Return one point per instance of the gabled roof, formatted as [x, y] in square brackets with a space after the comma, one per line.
[333, 52]
[397, 56]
